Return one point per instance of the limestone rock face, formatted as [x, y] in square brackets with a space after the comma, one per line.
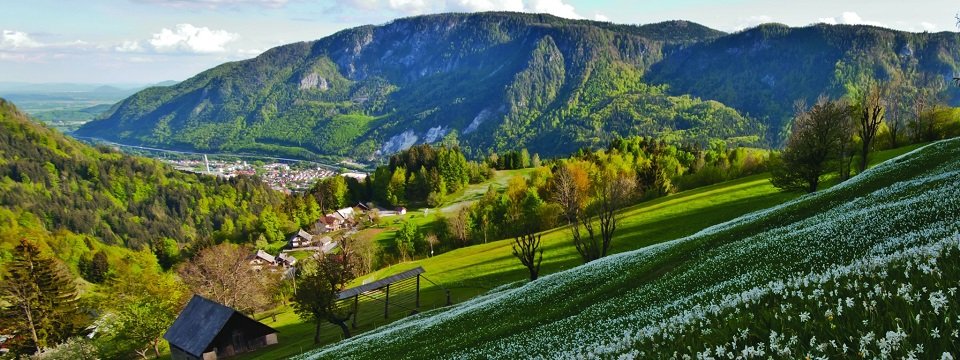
[314, 81]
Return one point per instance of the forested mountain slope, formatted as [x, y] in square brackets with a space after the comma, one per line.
[497, 80]
[503, 81]
[764, 70]
[54, 186]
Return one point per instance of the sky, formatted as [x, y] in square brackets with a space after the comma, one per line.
[148, 41]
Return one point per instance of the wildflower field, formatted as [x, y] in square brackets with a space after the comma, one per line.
[868, 268]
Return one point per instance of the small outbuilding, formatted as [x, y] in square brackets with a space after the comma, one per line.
[208, 330]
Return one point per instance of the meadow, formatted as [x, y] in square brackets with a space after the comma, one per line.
[645, 303]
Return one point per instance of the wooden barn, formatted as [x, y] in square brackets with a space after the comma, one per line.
[207, 330]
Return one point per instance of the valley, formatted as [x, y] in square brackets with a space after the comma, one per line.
[465, 183]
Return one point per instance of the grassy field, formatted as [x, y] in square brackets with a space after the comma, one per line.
[475, 270]
[766, 284]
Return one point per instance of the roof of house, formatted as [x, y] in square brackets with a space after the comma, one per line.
[328, 247]
[345, 213]
[265, 256]
[287, 258]
[302, 234]
[351, 292]
[200, 322]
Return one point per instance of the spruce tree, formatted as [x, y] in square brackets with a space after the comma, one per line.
[41, 298]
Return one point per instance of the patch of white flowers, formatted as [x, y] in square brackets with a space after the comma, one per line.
[824, 276]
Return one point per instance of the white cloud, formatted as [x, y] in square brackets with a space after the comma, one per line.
[848, 18]
[485, 5]
[600, 17]
[191, 39]
[129, 46]
[17, 40]
[752, 21]
[931, 27]
[215, 4]
[553, 7]
[410, 6]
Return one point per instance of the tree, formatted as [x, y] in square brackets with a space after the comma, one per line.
[406, 239]
[459, 226]
[431, 239]
[140, 307]
[397, 187]
[223, 274]
[813, 142]
[896, 99]
[869, 116]
[270, 225]
[571, 184]
[321, 279]
[332, 193]
[526, 245]
[94, 269]
[452, 167]
[75, 348]
[39, 298]
[613, 190]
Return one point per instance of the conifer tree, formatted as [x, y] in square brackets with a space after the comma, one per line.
[40, 297]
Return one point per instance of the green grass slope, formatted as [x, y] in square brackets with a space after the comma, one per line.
[812, 272]
[473, 271]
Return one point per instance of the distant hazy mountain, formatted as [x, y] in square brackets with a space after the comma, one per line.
[503, 81]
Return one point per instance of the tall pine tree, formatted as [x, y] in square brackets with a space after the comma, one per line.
[41, 299]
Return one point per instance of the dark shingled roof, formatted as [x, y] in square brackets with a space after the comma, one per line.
[199, 323]
[351, 292]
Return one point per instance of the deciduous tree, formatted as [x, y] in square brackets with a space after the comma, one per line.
[870, 114]
[222, 273]
[140, 307]
[812, 144]
[320, 280]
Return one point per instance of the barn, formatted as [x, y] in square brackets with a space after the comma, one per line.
[208, 330]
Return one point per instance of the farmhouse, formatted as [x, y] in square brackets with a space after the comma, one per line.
[207, 330]
[336, 220]
[300, 239]
[261, 259]
[286, 260]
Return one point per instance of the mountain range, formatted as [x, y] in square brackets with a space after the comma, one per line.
[504, 81]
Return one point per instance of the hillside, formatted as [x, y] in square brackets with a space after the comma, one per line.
[55, 187]
[497, 80]
[502, 81]
[762, 71]
[819, 265]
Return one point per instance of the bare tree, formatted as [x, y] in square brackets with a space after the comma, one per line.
[459, 226]
[928, 90]
[571, 184]
[431, 240]
[222, 273]
[526, 247]
[896, 110]
[613, 191]
[869, 116]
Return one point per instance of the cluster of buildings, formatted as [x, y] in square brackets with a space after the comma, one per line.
[282, 177]
[279, 176]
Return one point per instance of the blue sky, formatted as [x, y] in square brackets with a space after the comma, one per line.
[143, 41]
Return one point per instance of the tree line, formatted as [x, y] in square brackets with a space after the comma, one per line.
[839, 135]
